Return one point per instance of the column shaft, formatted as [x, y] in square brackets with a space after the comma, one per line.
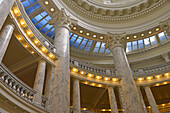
[76, 96]
[5, 36]
[112, 100]
[61, 85]
[122, 103]
[5, 6]
[151, 100]
[142, 100]
[39, 82]
[48, 85]
[130, 93]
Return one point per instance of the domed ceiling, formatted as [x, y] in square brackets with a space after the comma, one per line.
[114, 2]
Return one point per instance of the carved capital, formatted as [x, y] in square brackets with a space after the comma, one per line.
[115, 40]
[61, 19]
[165, 25]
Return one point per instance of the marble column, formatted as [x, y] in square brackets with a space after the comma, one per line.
[142, 100]
[115, 43]
[112, 100]
[76, 96]
[151, 100]
[48, 85]
[39, 82]
[60, 98]
[5, 6]
[122, 103]
[5, 36]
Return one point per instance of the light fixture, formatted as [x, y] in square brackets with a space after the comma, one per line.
[106, 78]
[84, 108]
[103, 110]
[16, 11]
[127, 37]
[98, 77]
[29, 33]
[90, 75]
[85, 82]
[22, 22]
[158, 76]
[32, 52]
[135, 36]
[87, 34]
[26, 46]
[81, 31]
[82, 72]
[101, 37]
[75, 70]
[149, 78]
[165, 83]
[114, 79]
[150, 32]
[52, 9]
[94, 36]
[44, 49]
[51, 55]
[163, 104]
[93, 84]
[157, 84]
[74, 28]
[166, 74]
[142, 34]
[99, 85]
[149, 107]
[36, 42]
[157, 29]
[140, 79]
[46, 2]
[19, 38]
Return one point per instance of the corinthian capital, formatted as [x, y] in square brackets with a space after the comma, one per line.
[61, 19]
[115, 40]
[165, 25]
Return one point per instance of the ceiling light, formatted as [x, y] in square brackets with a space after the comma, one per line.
[127, 37]
[99, 85]
[32, 52]
[158, 76]
[82, 72]
[26, 46]
[114, 79]
[106, 78]
[157, 84]
[74, 28]
[166, 74]
[52, 9]
[163, 104]
[81, 31]
[90, 75]
[85, 82]
[46, 2]
[84, 108]
[22, 22]
[165, 83]
[16, 11]
[142, 34]
[157, 29]
[87, 34]
[94, 36]
[75, 70]
[51, 55]
[93, 84]
[101, 37]
[149, 107]
[19, 38]
[149, 78]
[135, 36]
[140, 79]
[150, 32]
[98, 77]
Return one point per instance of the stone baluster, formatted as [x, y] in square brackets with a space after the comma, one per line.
[76, 96]
[112, 100]
[5, 36]
[151, 100]
[60, 99]
[48, 85]
[39, 82]
[5, 6]
[115, 42]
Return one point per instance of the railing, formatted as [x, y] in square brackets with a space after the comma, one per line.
[15, 84]
[107, 71]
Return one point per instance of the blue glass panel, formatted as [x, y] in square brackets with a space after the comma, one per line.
[32, 1]
[38, 17]
[153, 40]
[128, 44]
[33, 20]
[70, 35]
[50, 34]
[77, 42]
[26, 3]
[53, 37]
[98, 44]
[30, 10]
[134, 44]
[88, 45]
[48, 26]
[140, 43]
[84, 41]
[52, 30]
[96, 50]
[44, 30]
[107, 51]
[102, 47]
[48, 18]
[43, 22]
[44, 13]
[162, 36]
[36, 6]
[146, 42]
[38, 26]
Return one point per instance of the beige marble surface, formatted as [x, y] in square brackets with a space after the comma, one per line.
[5, 6]
[151, 100]
[112, 100]
[5, 36]
[39, 82]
